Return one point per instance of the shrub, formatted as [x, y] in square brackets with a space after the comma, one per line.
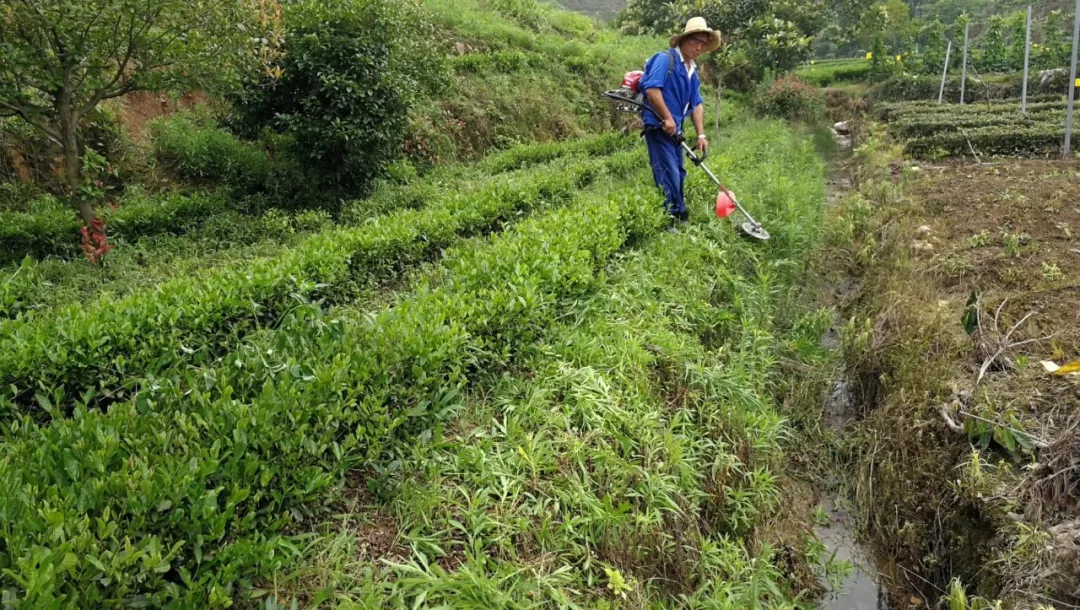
[208, 153]
[350, 73]
[790, 98]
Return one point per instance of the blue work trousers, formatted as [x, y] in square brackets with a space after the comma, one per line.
[668, 171]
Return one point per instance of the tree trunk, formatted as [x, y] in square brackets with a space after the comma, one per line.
[69, 135]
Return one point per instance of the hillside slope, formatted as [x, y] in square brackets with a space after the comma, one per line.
[603, 9]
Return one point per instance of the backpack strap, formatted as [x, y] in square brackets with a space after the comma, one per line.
[672, 58]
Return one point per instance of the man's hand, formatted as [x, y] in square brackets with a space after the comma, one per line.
[669, 126]
[702, 144]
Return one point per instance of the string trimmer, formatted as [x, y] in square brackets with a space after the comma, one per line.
[628, 99]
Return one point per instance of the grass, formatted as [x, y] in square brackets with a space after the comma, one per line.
[529, 73]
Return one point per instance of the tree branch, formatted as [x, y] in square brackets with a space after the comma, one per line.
[27, 115]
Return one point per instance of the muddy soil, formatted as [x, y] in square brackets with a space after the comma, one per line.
[1010, 229]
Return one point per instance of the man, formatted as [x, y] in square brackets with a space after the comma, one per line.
[673, 91]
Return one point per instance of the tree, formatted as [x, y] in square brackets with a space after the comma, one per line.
[1018, 39]
[1056, 45]
[62, 58]
[935, 44]
[994, 46]
[900, 27]
[772, 34]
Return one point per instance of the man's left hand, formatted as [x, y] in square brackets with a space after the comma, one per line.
[702, 145]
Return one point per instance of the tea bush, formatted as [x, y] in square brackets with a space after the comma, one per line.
[920, 126]
[90, 354]
[52, 229]
[910, 88]
[826, 73]
[928, 108]
[49, 228]
[931, 130]
[209, 153]
[177, 499]
[15, 287]
[521, 157]
[667, 370]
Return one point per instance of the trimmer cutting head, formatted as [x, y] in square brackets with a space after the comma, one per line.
[754, 230]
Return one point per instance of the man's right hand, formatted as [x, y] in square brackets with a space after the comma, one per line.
[669, 126]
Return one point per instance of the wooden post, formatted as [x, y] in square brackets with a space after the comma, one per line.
[945, 71]
[1027, 59]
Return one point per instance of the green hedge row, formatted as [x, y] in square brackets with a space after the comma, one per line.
[178, 500]
[91, 353]
[53, 229]
[919, 127]
[525, 156]
[416, 193]
[823, 74]
[909, 88]
[1033, 140]
[894, 111]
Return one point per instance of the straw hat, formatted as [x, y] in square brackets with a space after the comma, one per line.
[697, 25]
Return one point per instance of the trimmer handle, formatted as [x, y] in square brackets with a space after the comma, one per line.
[695, 158]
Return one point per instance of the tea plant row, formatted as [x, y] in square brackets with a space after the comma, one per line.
[173, 498]
[85, 354]
[931, 130]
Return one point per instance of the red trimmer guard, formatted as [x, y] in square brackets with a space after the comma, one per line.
[724, 205]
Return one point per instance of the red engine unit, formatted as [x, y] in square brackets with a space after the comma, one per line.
[631, 80]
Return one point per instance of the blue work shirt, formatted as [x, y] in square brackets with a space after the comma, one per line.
[682, 90]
